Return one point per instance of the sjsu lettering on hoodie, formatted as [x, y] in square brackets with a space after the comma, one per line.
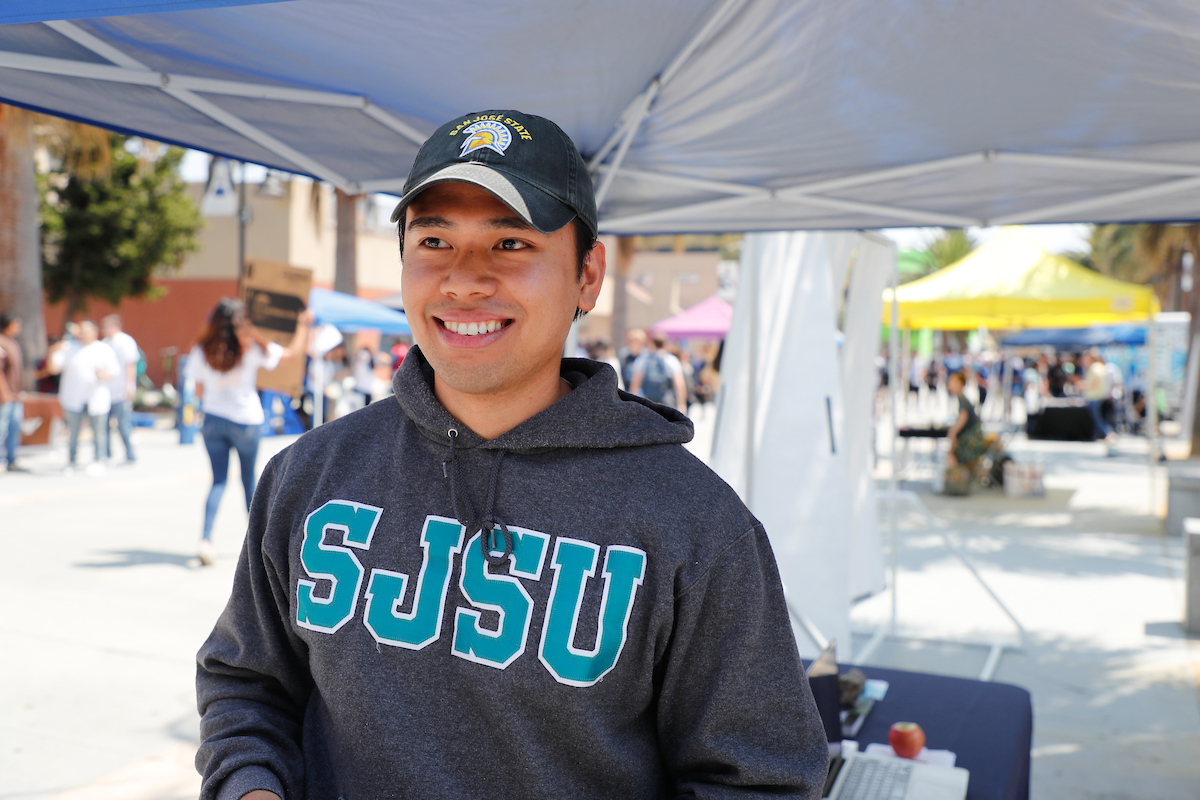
[334, 531]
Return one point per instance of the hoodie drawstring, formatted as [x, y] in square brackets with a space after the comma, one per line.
[486, 522]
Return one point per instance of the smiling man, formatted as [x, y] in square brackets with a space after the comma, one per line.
[512, 580]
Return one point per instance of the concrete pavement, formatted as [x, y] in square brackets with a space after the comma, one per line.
[110, 608]
[1099, 590]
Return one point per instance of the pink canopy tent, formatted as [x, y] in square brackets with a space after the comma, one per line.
[708, 319]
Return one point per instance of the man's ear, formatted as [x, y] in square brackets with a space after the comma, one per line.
[592, 278]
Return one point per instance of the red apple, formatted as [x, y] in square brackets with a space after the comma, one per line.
[906, 739]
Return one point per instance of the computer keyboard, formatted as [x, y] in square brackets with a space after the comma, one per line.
[876, 779]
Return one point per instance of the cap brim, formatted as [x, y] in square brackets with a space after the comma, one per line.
[544, 213]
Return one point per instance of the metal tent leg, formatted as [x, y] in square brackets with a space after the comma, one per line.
[995, 647]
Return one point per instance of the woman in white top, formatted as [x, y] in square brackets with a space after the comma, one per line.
[225, 364]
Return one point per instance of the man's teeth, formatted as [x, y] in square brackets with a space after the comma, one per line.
[473, 328]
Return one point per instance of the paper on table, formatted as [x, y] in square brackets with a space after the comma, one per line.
[937, 758]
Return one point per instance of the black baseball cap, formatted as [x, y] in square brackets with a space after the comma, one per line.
[526, 161]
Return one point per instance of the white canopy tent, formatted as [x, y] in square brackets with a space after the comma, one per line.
[696, 116]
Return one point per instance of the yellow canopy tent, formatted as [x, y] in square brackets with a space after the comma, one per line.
[1011, 283]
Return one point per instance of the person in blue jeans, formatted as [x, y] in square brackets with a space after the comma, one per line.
[11, 407]
[224, 365]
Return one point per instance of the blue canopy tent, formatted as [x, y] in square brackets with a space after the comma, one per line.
[694, 115]
[25, 11]
[1095, 336]
[351, 314]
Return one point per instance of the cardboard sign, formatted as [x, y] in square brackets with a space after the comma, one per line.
[275, 294]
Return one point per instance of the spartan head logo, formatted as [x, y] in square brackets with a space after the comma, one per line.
[487, 134]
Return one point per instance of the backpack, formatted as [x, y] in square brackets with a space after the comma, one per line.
[657, 383]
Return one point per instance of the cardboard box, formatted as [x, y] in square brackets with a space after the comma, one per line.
[40, 412]
[275, 294]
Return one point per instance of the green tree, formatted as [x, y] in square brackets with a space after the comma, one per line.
[1148, 254]
[950, 247]
[107, 236]
[1152, 255]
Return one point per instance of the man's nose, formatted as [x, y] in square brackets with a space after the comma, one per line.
[469, 275]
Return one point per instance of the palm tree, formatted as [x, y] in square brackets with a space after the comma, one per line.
[22, 133]
[951, 246]
[1149, 254]
[1153, 255]
[20, 247]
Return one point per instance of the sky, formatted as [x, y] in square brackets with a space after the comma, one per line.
[1053, 238]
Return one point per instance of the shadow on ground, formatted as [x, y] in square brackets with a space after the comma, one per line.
[139, 558]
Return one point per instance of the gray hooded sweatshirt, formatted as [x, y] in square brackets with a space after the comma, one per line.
[577, 608]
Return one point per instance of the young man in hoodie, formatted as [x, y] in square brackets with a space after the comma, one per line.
[489, 586]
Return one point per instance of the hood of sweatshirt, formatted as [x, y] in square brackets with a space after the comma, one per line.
[614, 418]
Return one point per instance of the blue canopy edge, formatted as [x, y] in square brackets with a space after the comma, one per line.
[351, 314]
[1095, 336]
[14, 11]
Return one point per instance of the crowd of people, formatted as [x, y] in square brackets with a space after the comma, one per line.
[1036, 380]
[93, 369]
[662, 370]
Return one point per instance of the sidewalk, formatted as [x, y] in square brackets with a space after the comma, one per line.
[111, 607]
[1099, 590]
[96, 694]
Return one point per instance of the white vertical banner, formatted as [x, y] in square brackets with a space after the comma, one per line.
[779, 438]
[874, 260]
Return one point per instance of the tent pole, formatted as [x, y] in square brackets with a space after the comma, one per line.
[1006, 384]
[894, 383]
[318, 415]
[750, 285]
[647, 95]
[1152, 404]
[634, 123]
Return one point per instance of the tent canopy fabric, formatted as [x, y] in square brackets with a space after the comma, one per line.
[1096, 336]
[1010, 282]
[708, 319]
[351, 314]
[695, 115]
[43, 10]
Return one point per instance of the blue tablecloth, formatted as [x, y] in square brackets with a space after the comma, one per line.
[988, 725]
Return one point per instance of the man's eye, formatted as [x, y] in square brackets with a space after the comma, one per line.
[433, 242]
[512, 244]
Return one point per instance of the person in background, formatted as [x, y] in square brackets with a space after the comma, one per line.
[11, 391]
[383, 376]
[689, 373]
[658, 376]
[123, 386]
[966, 434]
[1114, 405]
[600, 350]
[1056, 377]
[87, 365]
[982, 368]
[1034, 380]
[224, 365]
[399, 351]
[325, 376]
[364, 374]
[1095, 391]
[45, 381]
[635, 345]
